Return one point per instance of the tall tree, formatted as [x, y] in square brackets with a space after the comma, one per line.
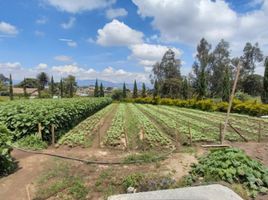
[101, 90]
[156, 89]
[200, 68]
[42, 80]
[11, 95]
[251, 56]
[220, 68]
[143, 92]
[70, 84]
[52, 87]
[24, 88]
[61, 88]
[185, 89]
[135, 90]
[264, 95]
[96, 90]
[124, 90]
[168, 76]
[253, 84]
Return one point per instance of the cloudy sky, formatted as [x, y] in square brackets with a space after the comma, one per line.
[119, 40]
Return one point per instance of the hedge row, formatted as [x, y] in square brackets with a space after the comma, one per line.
[249, 107]
[22, 117]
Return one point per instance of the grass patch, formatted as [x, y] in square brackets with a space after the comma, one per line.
[147, 157]
[60, 181]
[31, 142]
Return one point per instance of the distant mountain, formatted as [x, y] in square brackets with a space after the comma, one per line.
[83, 83]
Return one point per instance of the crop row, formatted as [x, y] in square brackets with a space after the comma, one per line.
[81, 135]
[200, 130]
[247, 125]
[116, 130]
[152, 135]
[22, 117]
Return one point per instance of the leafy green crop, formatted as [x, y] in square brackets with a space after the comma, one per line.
[22, 117]
[233, 166]
[6, 162]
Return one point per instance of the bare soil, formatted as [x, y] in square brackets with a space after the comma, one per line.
[15, 186]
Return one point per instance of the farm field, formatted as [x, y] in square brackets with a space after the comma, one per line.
[155, 136]
[140, 126]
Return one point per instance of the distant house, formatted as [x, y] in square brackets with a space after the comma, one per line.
[29, 91]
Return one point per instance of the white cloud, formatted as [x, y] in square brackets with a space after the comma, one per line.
[90, 40]
[67, 69]
[10, 65]
[115, 13]
[7, 28]
[63, 58]
[41, 66]
[148, 54]
[187, 21]
[39, 33]
[76, 6]
[69, 42]
[42, 20]
[117, 33]
[69, 24]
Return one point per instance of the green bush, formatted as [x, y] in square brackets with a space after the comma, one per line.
[252, 108]
[233, 166]
[7, 164]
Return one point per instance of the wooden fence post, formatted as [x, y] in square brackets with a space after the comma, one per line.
[221, 136]
[177, 138]
[259, 131]
[39, 130]
[126, 139]
[53, 134]
[190, 133]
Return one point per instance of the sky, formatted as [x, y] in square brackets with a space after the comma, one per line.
[120, 40]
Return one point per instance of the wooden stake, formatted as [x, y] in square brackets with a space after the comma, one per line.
[39, 130]
[231, 101]
[177, 139]
[221, 136]
[190, 133]
[237, 131]
[99, 136]
[259, 131]
[126, 139]
[53, 134]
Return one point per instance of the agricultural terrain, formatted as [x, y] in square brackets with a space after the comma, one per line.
[110, 146]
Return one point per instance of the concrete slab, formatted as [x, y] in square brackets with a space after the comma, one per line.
[209, 192]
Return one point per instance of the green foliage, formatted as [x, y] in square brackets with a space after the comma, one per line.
[143, 92]
[124, 95]
[7, 164]
[81, 135]
[135, 90]
[232, 166]
[242, 96]
[264, 95]
[248, 107]
[101, 90]
[22, 117]
[31, 142]
[96, 90]
[11, 95]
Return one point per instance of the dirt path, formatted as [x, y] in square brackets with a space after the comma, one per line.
[15, 186]
[107, 120]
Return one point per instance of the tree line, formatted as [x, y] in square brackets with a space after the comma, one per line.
[212, 75]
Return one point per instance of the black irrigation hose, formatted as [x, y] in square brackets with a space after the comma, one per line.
[92, 161]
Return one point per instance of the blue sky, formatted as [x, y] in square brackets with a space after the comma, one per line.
[119, 40]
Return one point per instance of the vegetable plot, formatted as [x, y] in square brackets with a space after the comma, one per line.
[152, 136]
[81, 135]
[22, 117]
[116, 130]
